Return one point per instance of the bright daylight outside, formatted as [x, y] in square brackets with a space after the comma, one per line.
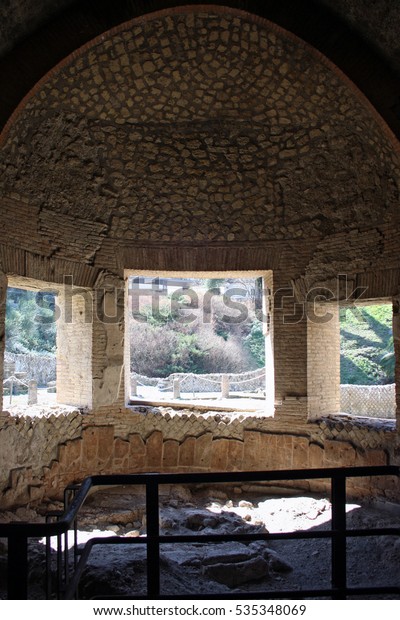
[367, 362]
[30, 351]
[200, 340]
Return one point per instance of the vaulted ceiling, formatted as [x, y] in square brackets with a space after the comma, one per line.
[360, 36]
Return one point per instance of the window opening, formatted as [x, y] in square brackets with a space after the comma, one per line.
[203, 341]
[367, 361]
[30, 348]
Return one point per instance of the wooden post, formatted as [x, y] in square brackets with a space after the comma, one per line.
[133, 386]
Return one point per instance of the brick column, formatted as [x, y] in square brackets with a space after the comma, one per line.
[290, 344]
[108, 342]
[268, 331]
[323, 359]
[396, 342]
[3, 297]
[74, 345]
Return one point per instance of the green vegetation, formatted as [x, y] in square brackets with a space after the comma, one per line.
[202, 337]
[30, 324]
[255, 341]
[366, 345]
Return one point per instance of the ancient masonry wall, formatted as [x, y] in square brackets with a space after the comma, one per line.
[74, 347]
[201, 139]
[323, 359]
[41, 455]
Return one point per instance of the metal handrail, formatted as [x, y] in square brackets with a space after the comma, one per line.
[19, 533]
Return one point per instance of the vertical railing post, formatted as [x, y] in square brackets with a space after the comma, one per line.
[32, 393]
[153, 532]
[339, 564]
[59, 566]
[176, 389]
[17, 578]
[225, 386]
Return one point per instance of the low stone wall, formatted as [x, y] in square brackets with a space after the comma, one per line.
[372, 401]
[40, 368]
[40, 456]
[251, 381]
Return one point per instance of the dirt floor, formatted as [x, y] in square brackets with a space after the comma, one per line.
[220, 568]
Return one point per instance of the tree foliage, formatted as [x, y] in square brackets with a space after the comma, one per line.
[30, 322]
[210, 336]
[366, 345]
[255, 341]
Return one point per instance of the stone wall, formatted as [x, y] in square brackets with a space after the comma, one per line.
[196, 140]
[188, 118]
[74, 346]
[374, 401]
[29, 446]
[323, 359]
[40, 368]
[47, 453]
[250, 381]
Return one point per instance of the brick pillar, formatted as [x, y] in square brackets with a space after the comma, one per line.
[74, 345]
[268, 331]
[108, 341]
[323, 359]
[396, 342]
[3, 297]
[290, 344]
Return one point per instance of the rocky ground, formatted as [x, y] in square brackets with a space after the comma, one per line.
[201, 568]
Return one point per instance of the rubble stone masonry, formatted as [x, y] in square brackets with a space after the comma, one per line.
[41, 455]
[196, 139]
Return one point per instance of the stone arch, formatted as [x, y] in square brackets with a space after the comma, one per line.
[311, 20]
[199, 139]
[277, 163]
[194, 125]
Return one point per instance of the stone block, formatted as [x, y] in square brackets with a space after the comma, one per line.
[284, 451]
[90, 444]
[315, 456]
[203, 451]
[219, 456]
[120, 462]
[338, 454]
[251, 456]
[170, 454]
[154, 444]
[235, 455]
[186, 452]
[121, 448]
[105, 448]
[74, 450]
[137, 453]
[234, 574]
[370, 458]
[300, 456]
[268, 443]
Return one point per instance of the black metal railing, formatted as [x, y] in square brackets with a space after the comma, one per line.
[68, 573]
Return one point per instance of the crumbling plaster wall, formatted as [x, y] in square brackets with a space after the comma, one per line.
[41, 455]
[195, 141]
